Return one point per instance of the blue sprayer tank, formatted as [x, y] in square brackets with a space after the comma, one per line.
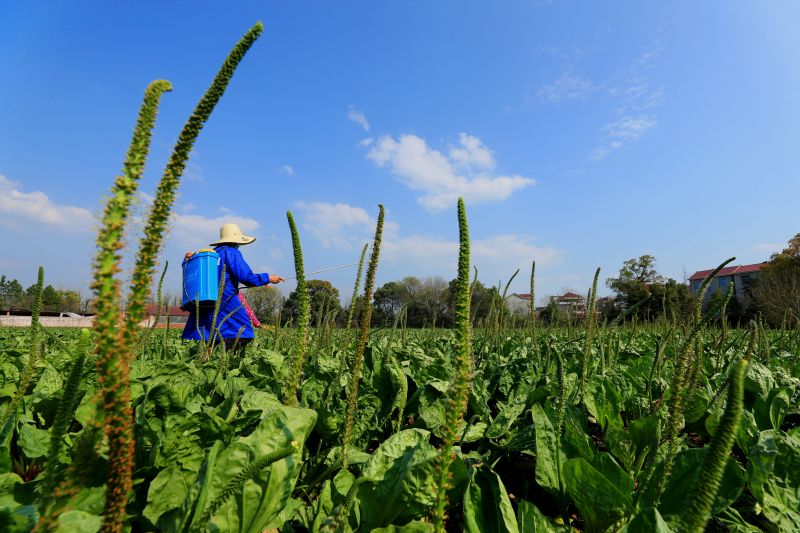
[200, 278]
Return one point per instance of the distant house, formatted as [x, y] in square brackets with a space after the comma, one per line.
[176, 317]
[741, 276]
[571, 303]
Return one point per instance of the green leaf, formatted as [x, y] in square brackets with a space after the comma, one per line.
[598, 499]
[397, 481]
[487, 508]
[773, 471]
[603, 402]
[647, 521]
[685, 471]
[531, 520]
[262, 498]
[166, 494]
[507, 416]
[79, 521]
[411, 527]
[548, 452]
[34, 442]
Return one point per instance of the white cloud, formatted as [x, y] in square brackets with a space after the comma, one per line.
[197, 230]
[426, 170]
[345, 226]
[18, 208]
[287, 169]
[471, 153]
[624, 130]
[358, 117]
[569, 86]
[629, 128]
[338, 225]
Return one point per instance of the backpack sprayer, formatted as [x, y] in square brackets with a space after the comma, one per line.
[201, 277]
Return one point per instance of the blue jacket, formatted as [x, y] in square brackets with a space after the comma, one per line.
[236, 271]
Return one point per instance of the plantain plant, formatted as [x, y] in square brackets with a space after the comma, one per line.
[290, 391]
[458, 393]
[704, 491]
[364, 321]
[115, 346]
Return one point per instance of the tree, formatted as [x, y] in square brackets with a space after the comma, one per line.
[638, 280]
[388, 300]
[265, 301]
[484, 301]
[776, 291]
[11, 293]
[322, 296]
[70, 301]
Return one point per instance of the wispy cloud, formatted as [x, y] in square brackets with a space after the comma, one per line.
[358, 117]
[628, 91]
[287, 169]
[18, 208]
[465, 171]
[569, 86]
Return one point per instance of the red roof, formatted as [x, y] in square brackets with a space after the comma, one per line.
[570, 296]
[728, 271]
[523, 296]
[174, 310]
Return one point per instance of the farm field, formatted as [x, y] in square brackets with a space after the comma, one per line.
[659, 410]
[531, 455]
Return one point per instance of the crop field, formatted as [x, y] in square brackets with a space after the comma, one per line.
[681, 425]
[531, 454]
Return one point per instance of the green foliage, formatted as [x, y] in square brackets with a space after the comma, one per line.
[321, 295]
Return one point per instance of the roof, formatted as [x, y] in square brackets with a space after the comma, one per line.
[173, 310]
[570, 296]
[728, 271]
[522, 296]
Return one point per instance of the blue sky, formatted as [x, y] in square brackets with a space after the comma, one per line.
[580, 134]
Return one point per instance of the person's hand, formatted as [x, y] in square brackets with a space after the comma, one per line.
[188, 256]
[275, 279]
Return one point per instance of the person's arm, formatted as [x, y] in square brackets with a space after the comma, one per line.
[244, 273]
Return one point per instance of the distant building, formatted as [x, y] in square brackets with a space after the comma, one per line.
[177, 317]
[741, 276]
[571, 303]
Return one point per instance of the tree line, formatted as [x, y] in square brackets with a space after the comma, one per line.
[14, 296]
[639, 291]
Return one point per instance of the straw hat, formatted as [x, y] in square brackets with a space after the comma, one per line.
[232, 234]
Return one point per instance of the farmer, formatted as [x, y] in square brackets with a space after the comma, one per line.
[238, 324]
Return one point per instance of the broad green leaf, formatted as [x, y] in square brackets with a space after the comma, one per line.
[548, 452]
[262, 498]
[647, 521]
[603, 402]
[397, 481]
[166, 494]
[531, 520]
[685, 471]
[79, 521]
[507, 416]
[599, 500]
[487, 508]
[773, 471]
[34, 442]
[605, 464]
